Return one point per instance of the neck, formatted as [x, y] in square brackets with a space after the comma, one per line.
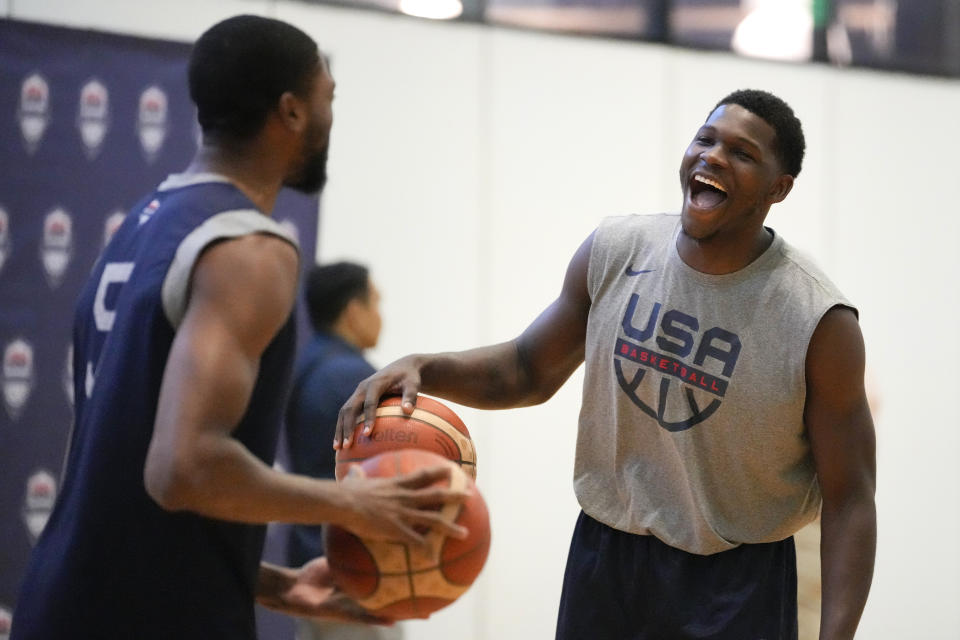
[346, 333]
[246, 167]
[714, 257]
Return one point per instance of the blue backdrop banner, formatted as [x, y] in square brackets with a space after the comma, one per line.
[89, 123]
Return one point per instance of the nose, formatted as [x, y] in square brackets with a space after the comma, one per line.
[714, 156]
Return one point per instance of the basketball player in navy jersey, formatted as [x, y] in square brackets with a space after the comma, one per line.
[183, 346]
[723, 405]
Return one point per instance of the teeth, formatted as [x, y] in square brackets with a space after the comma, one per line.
[712, 183]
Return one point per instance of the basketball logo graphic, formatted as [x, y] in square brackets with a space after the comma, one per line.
[67, 377]
[4, 237]
[693, 366]
[152, 121]
[17, 377]
[34, 110]
[6, 623]
[56, 248]
[111, 224]
[93, 116]
[38, 504]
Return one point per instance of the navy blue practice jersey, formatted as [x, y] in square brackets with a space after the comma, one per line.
[111, 563]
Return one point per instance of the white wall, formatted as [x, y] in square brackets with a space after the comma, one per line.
[895, 220]
[467, 165]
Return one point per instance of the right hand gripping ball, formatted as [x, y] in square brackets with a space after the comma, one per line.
[399, 581]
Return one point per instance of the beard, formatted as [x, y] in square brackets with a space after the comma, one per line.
[312, 175]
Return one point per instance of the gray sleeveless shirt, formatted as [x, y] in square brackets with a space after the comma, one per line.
[691, 427]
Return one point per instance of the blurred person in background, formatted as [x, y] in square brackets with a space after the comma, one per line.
[344, 309]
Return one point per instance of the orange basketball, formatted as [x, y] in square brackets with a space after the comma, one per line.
[432, 426]
[399, 581]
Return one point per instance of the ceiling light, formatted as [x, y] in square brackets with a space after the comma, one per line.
[434, 9]
[776, 30]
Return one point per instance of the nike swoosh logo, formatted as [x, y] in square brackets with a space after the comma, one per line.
[631, 272]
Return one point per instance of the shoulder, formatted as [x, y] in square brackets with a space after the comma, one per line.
[836, 360]
[798, 286]
[245, 286]
[618, 240]
[837, 334]
[625, 234]
[353, 367]
[348, 364]
[263, 267]
[805, 270]
[652, 223]
[331, 376]
[243, 243]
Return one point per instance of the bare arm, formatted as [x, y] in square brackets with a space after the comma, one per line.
[842, 437]
[525, 371]
[242, 291]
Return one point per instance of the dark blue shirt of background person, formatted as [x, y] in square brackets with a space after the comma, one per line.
[344, 309]
[327, 373]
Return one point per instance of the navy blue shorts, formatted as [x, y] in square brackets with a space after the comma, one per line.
[621, 586]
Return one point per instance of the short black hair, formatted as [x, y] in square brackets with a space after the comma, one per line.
[241, 66]
[331, 287]
[778, 114]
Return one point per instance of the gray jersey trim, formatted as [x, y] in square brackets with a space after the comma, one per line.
[180, 180]
[228, 224]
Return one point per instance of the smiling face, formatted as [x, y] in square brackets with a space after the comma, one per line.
[730, 176]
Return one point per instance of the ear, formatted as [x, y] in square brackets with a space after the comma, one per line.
[781, 188]
[292, 111]
[351, 310]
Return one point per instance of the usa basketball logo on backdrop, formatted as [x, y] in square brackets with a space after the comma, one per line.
[693, 364]
[111, 224]
[93, 116]
[56, 248]
[34, 111]
[152, 121]
[4, 237]
[38, 503]
[17, 379]
[6, 623]
[67, 376]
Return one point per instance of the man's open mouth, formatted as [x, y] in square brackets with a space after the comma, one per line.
[706, 193]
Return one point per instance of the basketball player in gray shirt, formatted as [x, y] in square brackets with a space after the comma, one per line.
[723, 404]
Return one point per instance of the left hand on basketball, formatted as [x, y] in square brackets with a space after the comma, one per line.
[309, 592]
[401, 377]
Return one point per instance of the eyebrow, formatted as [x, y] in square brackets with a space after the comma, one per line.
[746, 141]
